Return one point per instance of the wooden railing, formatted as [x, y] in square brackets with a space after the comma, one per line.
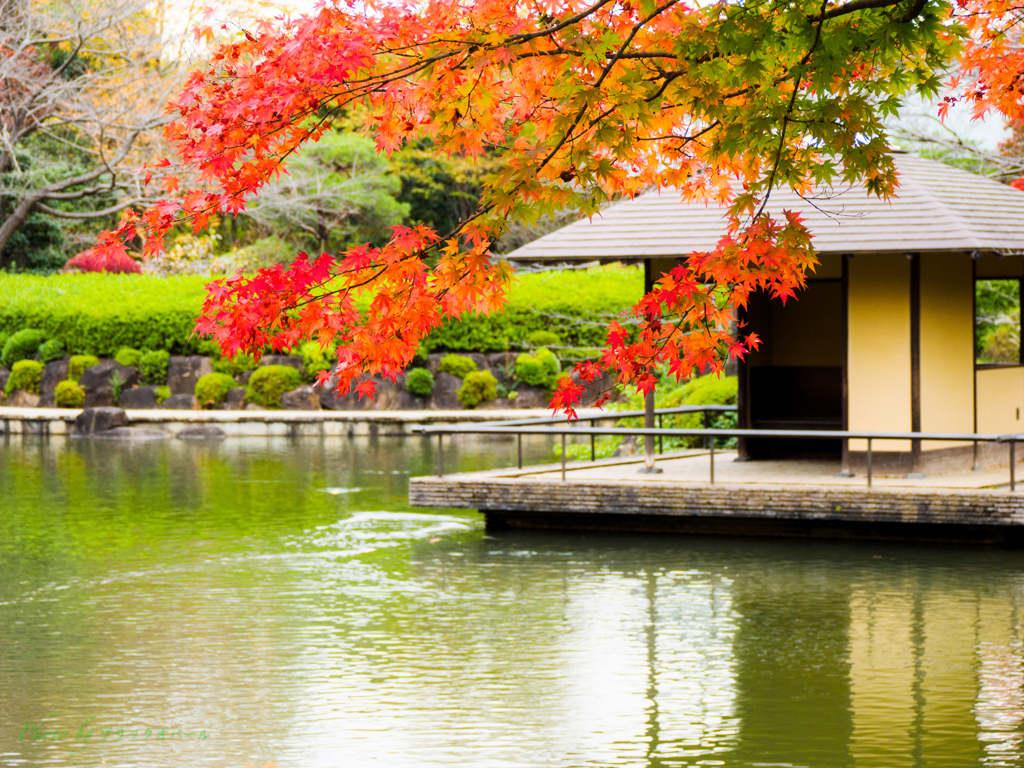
[549, 427]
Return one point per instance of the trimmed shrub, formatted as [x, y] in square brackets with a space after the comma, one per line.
[269, 382]
[570, 300]
[79, 364]
[711, 390]
[478, 387]
[420, 382]
[457, 365]
[129, 357]
[51, 350]
[543, 339]
[101, 313]
[25, 376]
[212, 389]
[22, 345]
[162, 393]
[153, 366]
[234, 367]
[540, 369]
[69, 394]
[315, 359]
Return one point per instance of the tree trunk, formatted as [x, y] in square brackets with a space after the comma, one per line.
[17, 218]
[321, 232]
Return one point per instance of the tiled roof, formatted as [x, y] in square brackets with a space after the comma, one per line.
[937, 208]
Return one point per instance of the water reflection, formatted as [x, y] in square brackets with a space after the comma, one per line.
[282, 597]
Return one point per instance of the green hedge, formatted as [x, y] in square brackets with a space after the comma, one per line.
[577, 303]
[99, 314]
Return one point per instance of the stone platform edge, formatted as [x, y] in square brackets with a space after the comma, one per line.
[59, 421]
[730, 509]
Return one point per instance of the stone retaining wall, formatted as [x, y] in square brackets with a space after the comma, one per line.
[59, 421]
[937, 515]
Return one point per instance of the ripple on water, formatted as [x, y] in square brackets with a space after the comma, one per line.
[160, 587]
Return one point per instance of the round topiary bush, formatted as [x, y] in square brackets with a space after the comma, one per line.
[51, 350]
[153, 366]
[79, 364]
[315, 359]
[420, 382]
[269, 382]
[212, 389]
[543, 339]
[129, 357]
[22, 345]
[538, 370]
[457, 365]
[25, 376]
[69, 394]
[478, 387]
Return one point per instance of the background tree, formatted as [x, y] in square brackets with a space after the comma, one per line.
[83, 83]
[579, 102]
[334, 193]
[956, 142]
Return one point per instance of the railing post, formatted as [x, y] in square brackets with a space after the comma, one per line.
[706, 422]
[563, 457]
[1013, 465]
[648, 438]
[869, 462]
[440, 454]
[519, 449]
[592, 452]
[661, 425]
[712, 454]
[975, 467]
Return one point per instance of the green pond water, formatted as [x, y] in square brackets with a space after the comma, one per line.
[279, 601]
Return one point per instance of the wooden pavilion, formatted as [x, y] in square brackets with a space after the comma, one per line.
[883, 337]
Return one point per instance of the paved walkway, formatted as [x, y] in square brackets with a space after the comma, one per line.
[59, 421]
[693, 467]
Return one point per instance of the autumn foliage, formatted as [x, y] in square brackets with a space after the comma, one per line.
[581, 103]
[103, 260]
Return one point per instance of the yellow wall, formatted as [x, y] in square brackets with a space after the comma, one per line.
[882, 660]
[947, 345]
[878, 351]
[809, 331]
[1000, 399]
[948, 728]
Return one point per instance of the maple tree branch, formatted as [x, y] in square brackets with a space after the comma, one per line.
[913, 12]
[853, 7]
[789, 110]
[527, 36]
[40, 206]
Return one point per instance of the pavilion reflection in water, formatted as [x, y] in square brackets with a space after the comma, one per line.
[722, 666]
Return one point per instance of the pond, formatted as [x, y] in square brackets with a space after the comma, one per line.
[247, 602]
